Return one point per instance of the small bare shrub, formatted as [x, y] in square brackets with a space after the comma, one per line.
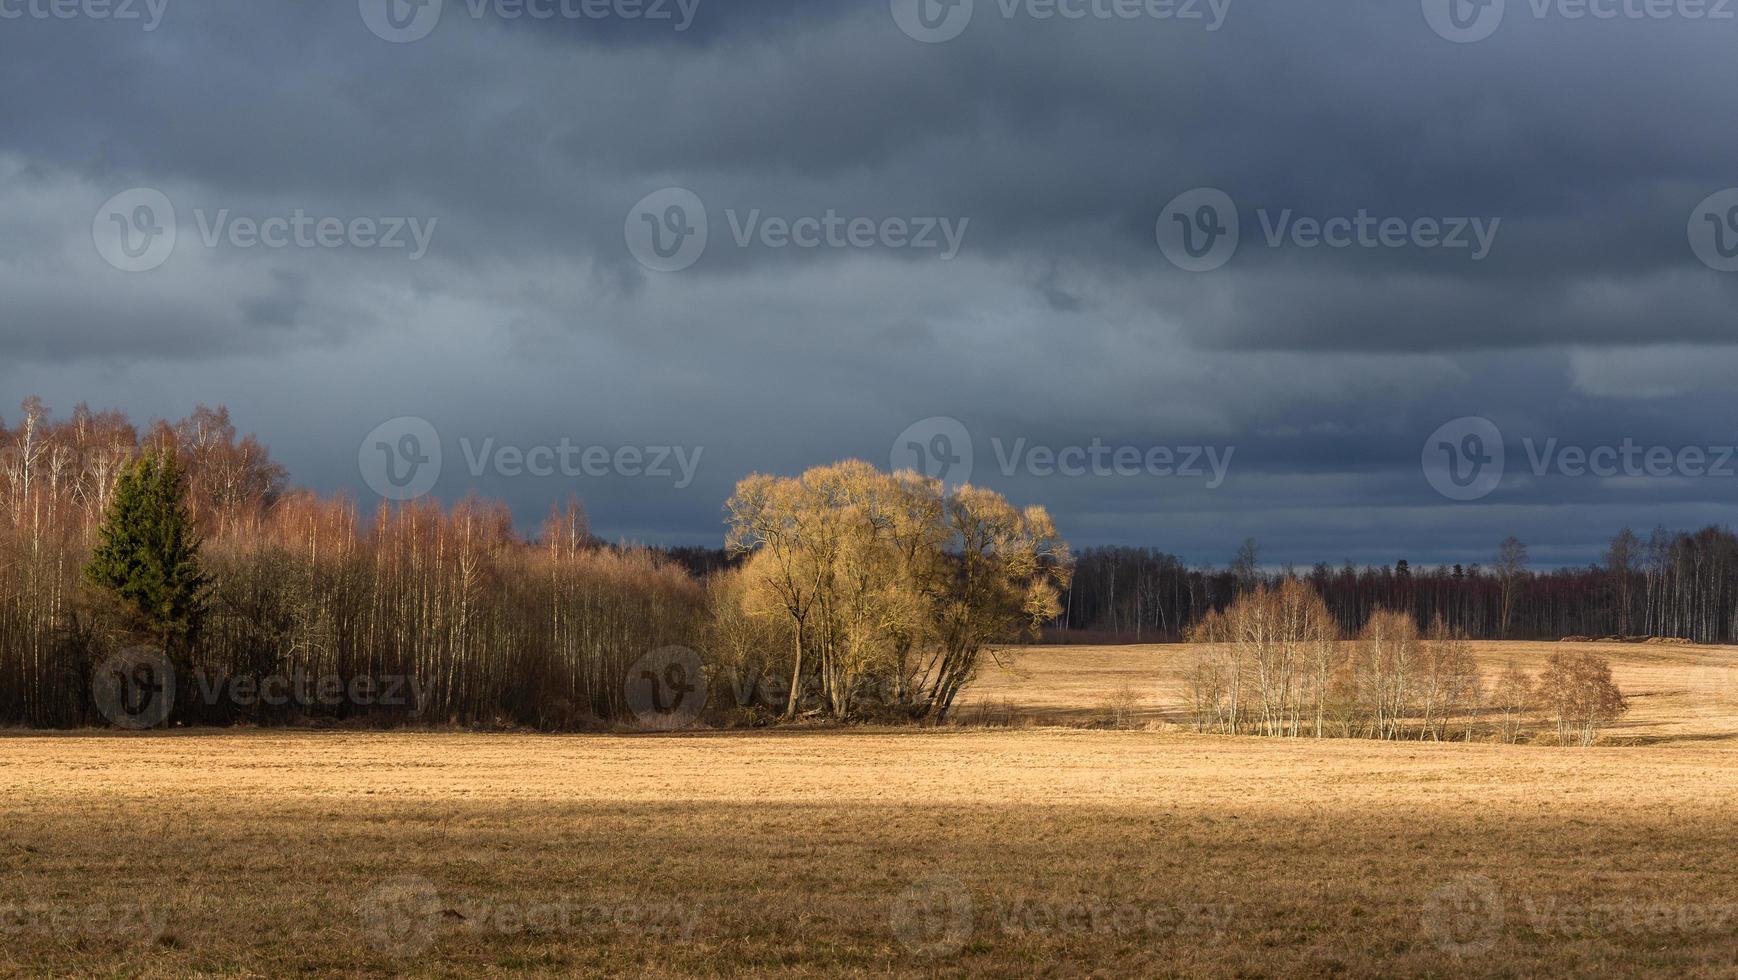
[1118, 708]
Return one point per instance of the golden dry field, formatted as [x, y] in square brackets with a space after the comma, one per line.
[1677, 693]
[957, 852]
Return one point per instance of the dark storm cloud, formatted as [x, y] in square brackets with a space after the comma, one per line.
[1056, 144]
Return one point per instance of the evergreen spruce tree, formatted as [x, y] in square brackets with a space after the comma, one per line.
[148, 555]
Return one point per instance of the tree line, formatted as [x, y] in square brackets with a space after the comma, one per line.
[493, 628]
[1673, 584]
[847, 592]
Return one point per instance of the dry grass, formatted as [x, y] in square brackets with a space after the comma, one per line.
[1677, 693]
[960, 852]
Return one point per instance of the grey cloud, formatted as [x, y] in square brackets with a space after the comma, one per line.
[1061, 320]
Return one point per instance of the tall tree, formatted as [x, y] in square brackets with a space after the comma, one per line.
[1620, 561]
[1511, 567]
[147, 556]
[1247, 565]
[892, 583]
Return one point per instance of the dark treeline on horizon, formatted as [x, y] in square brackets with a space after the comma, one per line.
[1674, 584]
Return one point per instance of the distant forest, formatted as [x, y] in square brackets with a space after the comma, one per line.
[1673, 584]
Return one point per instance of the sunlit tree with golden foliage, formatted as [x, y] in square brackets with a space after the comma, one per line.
[888, 588]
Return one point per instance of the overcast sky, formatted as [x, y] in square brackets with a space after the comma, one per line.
[1091, 257]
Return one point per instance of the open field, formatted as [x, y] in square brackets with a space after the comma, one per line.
[1677, 693]
[818, 853]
